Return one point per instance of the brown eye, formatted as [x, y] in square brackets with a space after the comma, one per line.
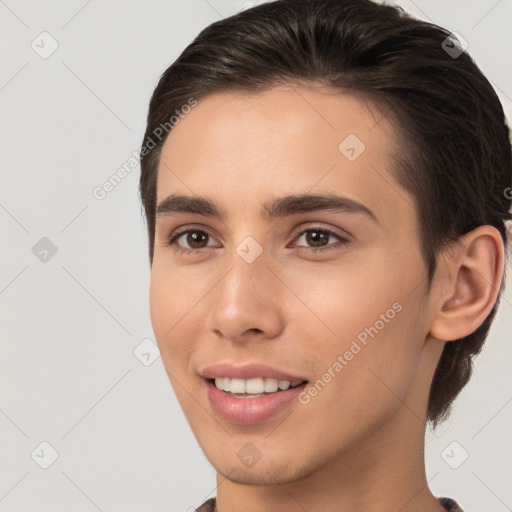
[194, 239]
[317, 239]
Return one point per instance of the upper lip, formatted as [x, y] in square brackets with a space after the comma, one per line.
[247, 371]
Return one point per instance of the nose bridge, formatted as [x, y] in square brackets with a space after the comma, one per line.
[249, 277]
[245, 299]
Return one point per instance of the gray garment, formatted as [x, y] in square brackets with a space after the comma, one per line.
[447, 503]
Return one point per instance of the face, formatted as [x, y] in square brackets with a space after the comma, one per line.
[329, 296]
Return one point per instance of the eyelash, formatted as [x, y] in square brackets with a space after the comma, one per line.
[182, 250]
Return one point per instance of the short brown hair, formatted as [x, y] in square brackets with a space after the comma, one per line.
[455, 154]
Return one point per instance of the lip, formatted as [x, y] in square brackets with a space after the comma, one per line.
[250, 411]
[247, 371]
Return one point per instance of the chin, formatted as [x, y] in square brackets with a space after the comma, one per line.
[260, 474]
[269, 465]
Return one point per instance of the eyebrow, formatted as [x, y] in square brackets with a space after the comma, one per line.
[277, 207]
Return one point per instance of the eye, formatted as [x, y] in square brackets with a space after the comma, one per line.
[319, 238]
[195, 239]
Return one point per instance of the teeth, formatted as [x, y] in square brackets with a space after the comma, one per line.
[254, 386]
[237, 386]
[284, 384]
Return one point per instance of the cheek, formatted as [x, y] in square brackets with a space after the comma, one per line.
[159, 306]
[372, 317]
[169, 302]
[376, 376]
[340, 301]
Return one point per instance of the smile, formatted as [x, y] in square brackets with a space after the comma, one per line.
[251, 388]
[251, 408]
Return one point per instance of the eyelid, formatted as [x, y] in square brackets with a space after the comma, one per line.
[318, 226]
[344, 237]
[185, 229]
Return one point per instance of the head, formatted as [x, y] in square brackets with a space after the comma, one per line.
[269, 101]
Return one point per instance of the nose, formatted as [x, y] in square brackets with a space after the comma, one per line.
[246, 303]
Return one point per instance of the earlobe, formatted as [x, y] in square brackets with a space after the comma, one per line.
[470, 279]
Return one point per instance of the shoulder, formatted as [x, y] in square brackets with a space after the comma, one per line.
[450, 505]
[207, 506]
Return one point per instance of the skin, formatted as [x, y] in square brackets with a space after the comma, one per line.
[357, 444]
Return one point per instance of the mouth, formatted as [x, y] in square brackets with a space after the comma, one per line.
[253, 388]
[254, 404]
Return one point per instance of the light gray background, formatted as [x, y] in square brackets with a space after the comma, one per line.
[69, 376]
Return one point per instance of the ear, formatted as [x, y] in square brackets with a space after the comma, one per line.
[468, 281]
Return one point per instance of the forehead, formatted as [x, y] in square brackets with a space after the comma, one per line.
[287, 139]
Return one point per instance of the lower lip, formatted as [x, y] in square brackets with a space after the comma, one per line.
[248, 411]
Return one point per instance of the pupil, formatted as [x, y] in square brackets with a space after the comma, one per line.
[317, 236]
[194, 237]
